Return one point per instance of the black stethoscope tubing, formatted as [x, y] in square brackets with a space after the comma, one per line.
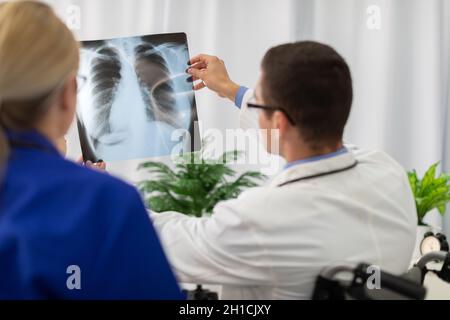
[319, 175]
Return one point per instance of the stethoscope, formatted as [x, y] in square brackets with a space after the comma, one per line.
[320, 174]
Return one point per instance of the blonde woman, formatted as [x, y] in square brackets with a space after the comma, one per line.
[65, 231]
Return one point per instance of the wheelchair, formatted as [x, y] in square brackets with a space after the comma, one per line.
[409, 286]
[328, 286]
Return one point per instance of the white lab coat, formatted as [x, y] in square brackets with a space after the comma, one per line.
[272, 242]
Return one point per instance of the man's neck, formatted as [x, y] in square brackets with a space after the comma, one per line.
[297, 153]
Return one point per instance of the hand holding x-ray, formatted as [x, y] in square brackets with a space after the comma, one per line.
[136, 95]
[213, 74]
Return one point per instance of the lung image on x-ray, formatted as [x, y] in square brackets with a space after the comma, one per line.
[136, 94]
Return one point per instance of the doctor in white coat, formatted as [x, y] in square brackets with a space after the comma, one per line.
[330, 204]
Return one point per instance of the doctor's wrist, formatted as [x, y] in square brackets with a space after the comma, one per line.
[230, 90]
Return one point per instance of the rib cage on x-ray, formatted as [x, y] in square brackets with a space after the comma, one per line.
[157, 92]
[106, 67]
[151, 65]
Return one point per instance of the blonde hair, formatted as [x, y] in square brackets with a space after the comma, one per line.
[37, 54]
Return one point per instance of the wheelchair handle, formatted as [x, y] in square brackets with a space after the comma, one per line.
[432, 256]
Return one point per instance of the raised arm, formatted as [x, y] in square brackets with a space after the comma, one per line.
[210, 72]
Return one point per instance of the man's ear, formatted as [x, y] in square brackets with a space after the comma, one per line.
[281, 122]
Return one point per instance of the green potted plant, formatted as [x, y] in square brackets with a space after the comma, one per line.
[196, 184]
[431, 192]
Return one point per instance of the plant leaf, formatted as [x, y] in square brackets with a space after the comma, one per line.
[428, 178]
[413, 180]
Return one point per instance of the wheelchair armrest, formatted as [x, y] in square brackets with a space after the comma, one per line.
[396, 284]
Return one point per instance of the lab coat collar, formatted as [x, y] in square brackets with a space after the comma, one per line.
[31, 140]
[318, 167]
[316, 158]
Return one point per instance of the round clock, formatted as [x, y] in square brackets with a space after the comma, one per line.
[433, 242]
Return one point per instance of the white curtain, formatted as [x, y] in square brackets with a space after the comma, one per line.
[401, 71]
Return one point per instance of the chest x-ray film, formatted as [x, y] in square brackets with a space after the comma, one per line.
[136, 99]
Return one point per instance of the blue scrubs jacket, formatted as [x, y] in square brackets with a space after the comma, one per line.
[64, 226]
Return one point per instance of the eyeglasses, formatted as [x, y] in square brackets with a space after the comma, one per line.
[81, 81]
[258, 106]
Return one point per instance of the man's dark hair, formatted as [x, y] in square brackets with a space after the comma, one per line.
[311, 82]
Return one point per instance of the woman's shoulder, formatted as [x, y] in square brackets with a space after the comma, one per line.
[99, 195]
